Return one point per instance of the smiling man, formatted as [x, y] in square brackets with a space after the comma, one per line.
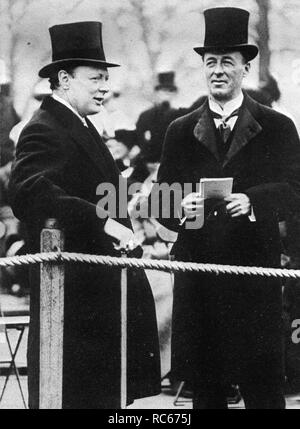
[227, 329]
[224, 75]
[60, 162]
[82, 87]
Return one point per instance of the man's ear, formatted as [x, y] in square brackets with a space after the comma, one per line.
[64, 79]
[247, 69]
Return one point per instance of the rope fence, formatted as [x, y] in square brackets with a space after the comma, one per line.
[52, 261]
[171, 266]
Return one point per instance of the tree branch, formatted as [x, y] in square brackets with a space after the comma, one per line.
[25, 5]
[138, 7]
[74, 6]
[263, 40]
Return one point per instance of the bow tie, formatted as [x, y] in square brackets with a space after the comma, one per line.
[224, 127]
[225, 119]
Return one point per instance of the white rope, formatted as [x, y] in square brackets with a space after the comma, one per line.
[172, 266]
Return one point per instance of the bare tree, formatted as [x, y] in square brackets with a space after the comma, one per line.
[263, 40]
[13, 12]
[153, 51]
[74, 6]
[154, 24]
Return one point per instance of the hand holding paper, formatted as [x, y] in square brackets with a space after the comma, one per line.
[124, 235]
[210, 189]
[193, 205]
[239, 205]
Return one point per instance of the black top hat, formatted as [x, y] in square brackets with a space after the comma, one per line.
[127, 137]
[77, 42]
[226, 28]
[166, 81]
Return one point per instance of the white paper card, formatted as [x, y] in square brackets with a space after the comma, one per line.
[118, 231]
[216, 187]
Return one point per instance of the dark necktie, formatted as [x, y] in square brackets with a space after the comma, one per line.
[224, 127]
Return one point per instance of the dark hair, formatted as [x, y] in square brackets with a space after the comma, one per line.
[69, 67]
[53, 79]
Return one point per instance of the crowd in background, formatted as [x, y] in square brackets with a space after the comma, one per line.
[136, 148]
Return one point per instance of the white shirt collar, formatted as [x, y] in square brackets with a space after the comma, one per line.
[229, 107]
[68, 105]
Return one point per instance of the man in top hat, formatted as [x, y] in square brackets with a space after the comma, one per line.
[153, 123]
[227, 329]
[60, 162]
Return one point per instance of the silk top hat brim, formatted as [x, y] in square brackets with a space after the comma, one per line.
[249, 51]
[226, 29]
[77, 43]
[171, 88]
[56, 65]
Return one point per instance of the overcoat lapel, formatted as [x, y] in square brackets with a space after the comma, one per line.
[204, 130]
[84, 139]
[79, 133]
[247, 128]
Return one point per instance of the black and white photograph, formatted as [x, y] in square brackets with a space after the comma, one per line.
[150, 207]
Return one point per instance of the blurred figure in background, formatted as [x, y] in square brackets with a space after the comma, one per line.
[111, 116]
[152, 124]
[123, 147]
[269, 94]
[40, 91]
[8, 116]
[4, 178]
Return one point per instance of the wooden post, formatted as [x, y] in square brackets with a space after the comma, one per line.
[123, 384]
[51, 320]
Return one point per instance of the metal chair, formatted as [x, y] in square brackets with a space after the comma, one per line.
[19, 324]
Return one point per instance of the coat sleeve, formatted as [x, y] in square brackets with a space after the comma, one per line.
[282, 196]
[37, 190]
[169, 176]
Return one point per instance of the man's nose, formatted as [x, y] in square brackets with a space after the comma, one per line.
[104, 87]
[218, 69]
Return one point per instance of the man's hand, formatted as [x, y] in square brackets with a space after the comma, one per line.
[124, 235]
[239, 205]
[193, 205]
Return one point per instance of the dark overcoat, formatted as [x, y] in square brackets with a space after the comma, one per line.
[59, 164]
[151, 128]
[229, 327]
